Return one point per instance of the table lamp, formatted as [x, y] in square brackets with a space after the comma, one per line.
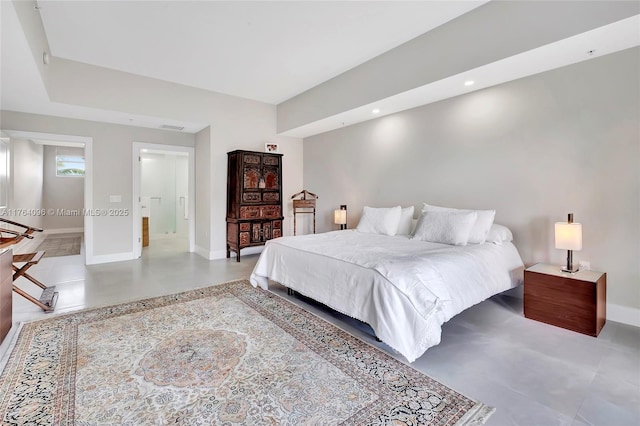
[340, 217]
[569, 237]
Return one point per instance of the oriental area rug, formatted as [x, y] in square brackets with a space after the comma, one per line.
[227, 354]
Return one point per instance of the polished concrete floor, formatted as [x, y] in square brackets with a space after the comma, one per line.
[533, 373]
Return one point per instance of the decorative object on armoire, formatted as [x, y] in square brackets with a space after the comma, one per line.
[254, 199]
[271, 147]
[304, 205]
[49, 297]
[340, 217]
[569, 237]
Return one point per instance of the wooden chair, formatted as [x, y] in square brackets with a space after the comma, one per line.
[304, 205]
[49, 297]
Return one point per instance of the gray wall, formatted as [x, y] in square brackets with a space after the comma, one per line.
[203, 189]
[534, 149]
[61, 192]
[26, 182]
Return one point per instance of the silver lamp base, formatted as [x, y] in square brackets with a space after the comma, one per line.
[570, 267]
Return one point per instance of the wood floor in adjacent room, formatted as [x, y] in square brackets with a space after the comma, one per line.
[533, 373]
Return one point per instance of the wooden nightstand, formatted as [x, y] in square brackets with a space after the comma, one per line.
[573, 301]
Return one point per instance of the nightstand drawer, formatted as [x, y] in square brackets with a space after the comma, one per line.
[562, 290]
[580, 320]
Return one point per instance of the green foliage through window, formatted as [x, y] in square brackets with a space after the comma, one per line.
[70, 165]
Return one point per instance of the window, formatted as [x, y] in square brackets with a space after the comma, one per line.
[70, 165]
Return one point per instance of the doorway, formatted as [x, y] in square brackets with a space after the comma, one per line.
[164, 190]
[52, 174]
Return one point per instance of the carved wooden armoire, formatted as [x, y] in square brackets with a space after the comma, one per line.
[254, 199]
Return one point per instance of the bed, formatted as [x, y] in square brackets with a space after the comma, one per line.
[405, 289]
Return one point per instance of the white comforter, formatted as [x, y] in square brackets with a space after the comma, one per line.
[405, 289]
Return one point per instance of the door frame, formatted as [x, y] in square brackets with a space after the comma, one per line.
[87, 141]
[136, 212]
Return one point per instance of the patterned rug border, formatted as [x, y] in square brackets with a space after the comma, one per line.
[477, 414]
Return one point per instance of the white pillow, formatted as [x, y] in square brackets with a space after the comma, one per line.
[479, 230]
[445, 227]
[380, 220]
[499, 234]
[406, 221]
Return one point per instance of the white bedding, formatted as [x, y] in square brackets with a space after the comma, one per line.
[405, 289]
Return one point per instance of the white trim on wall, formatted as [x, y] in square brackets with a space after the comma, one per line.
[63, 230]
[623, 314]
[108, 258]
[137, 214]
[222, 254]
[204, 253]
[88, 202]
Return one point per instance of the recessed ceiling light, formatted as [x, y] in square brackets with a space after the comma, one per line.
[469, 83]
[375, 111]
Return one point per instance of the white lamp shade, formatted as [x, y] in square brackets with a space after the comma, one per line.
[340, 217]
[568, 236]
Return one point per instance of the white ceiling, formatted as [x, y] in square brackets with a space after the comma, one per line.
[22, 89]
[262, 50]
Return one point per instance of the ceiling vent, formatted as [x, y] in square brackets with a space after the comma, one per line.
[170, 127]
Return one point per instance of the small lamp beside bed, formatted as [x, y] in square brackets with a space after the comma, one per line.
[569, 237]
[340, 217]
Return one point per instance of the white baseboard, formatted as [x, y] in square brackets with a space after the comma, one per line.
[203, 252]
[63, 230]
[108, 258]
[617, 313]
[222, 254]
[251, 250]
[8, 344]
[623, 314]
[154, 237]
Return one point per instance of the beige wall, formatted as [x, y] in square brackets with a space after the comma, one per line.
[250, 133]
[534, 149]
[26, 180]
[64, 193]
[203, 189]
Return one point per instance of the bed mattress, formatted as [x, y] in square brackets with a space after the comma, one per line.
[404, 289]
